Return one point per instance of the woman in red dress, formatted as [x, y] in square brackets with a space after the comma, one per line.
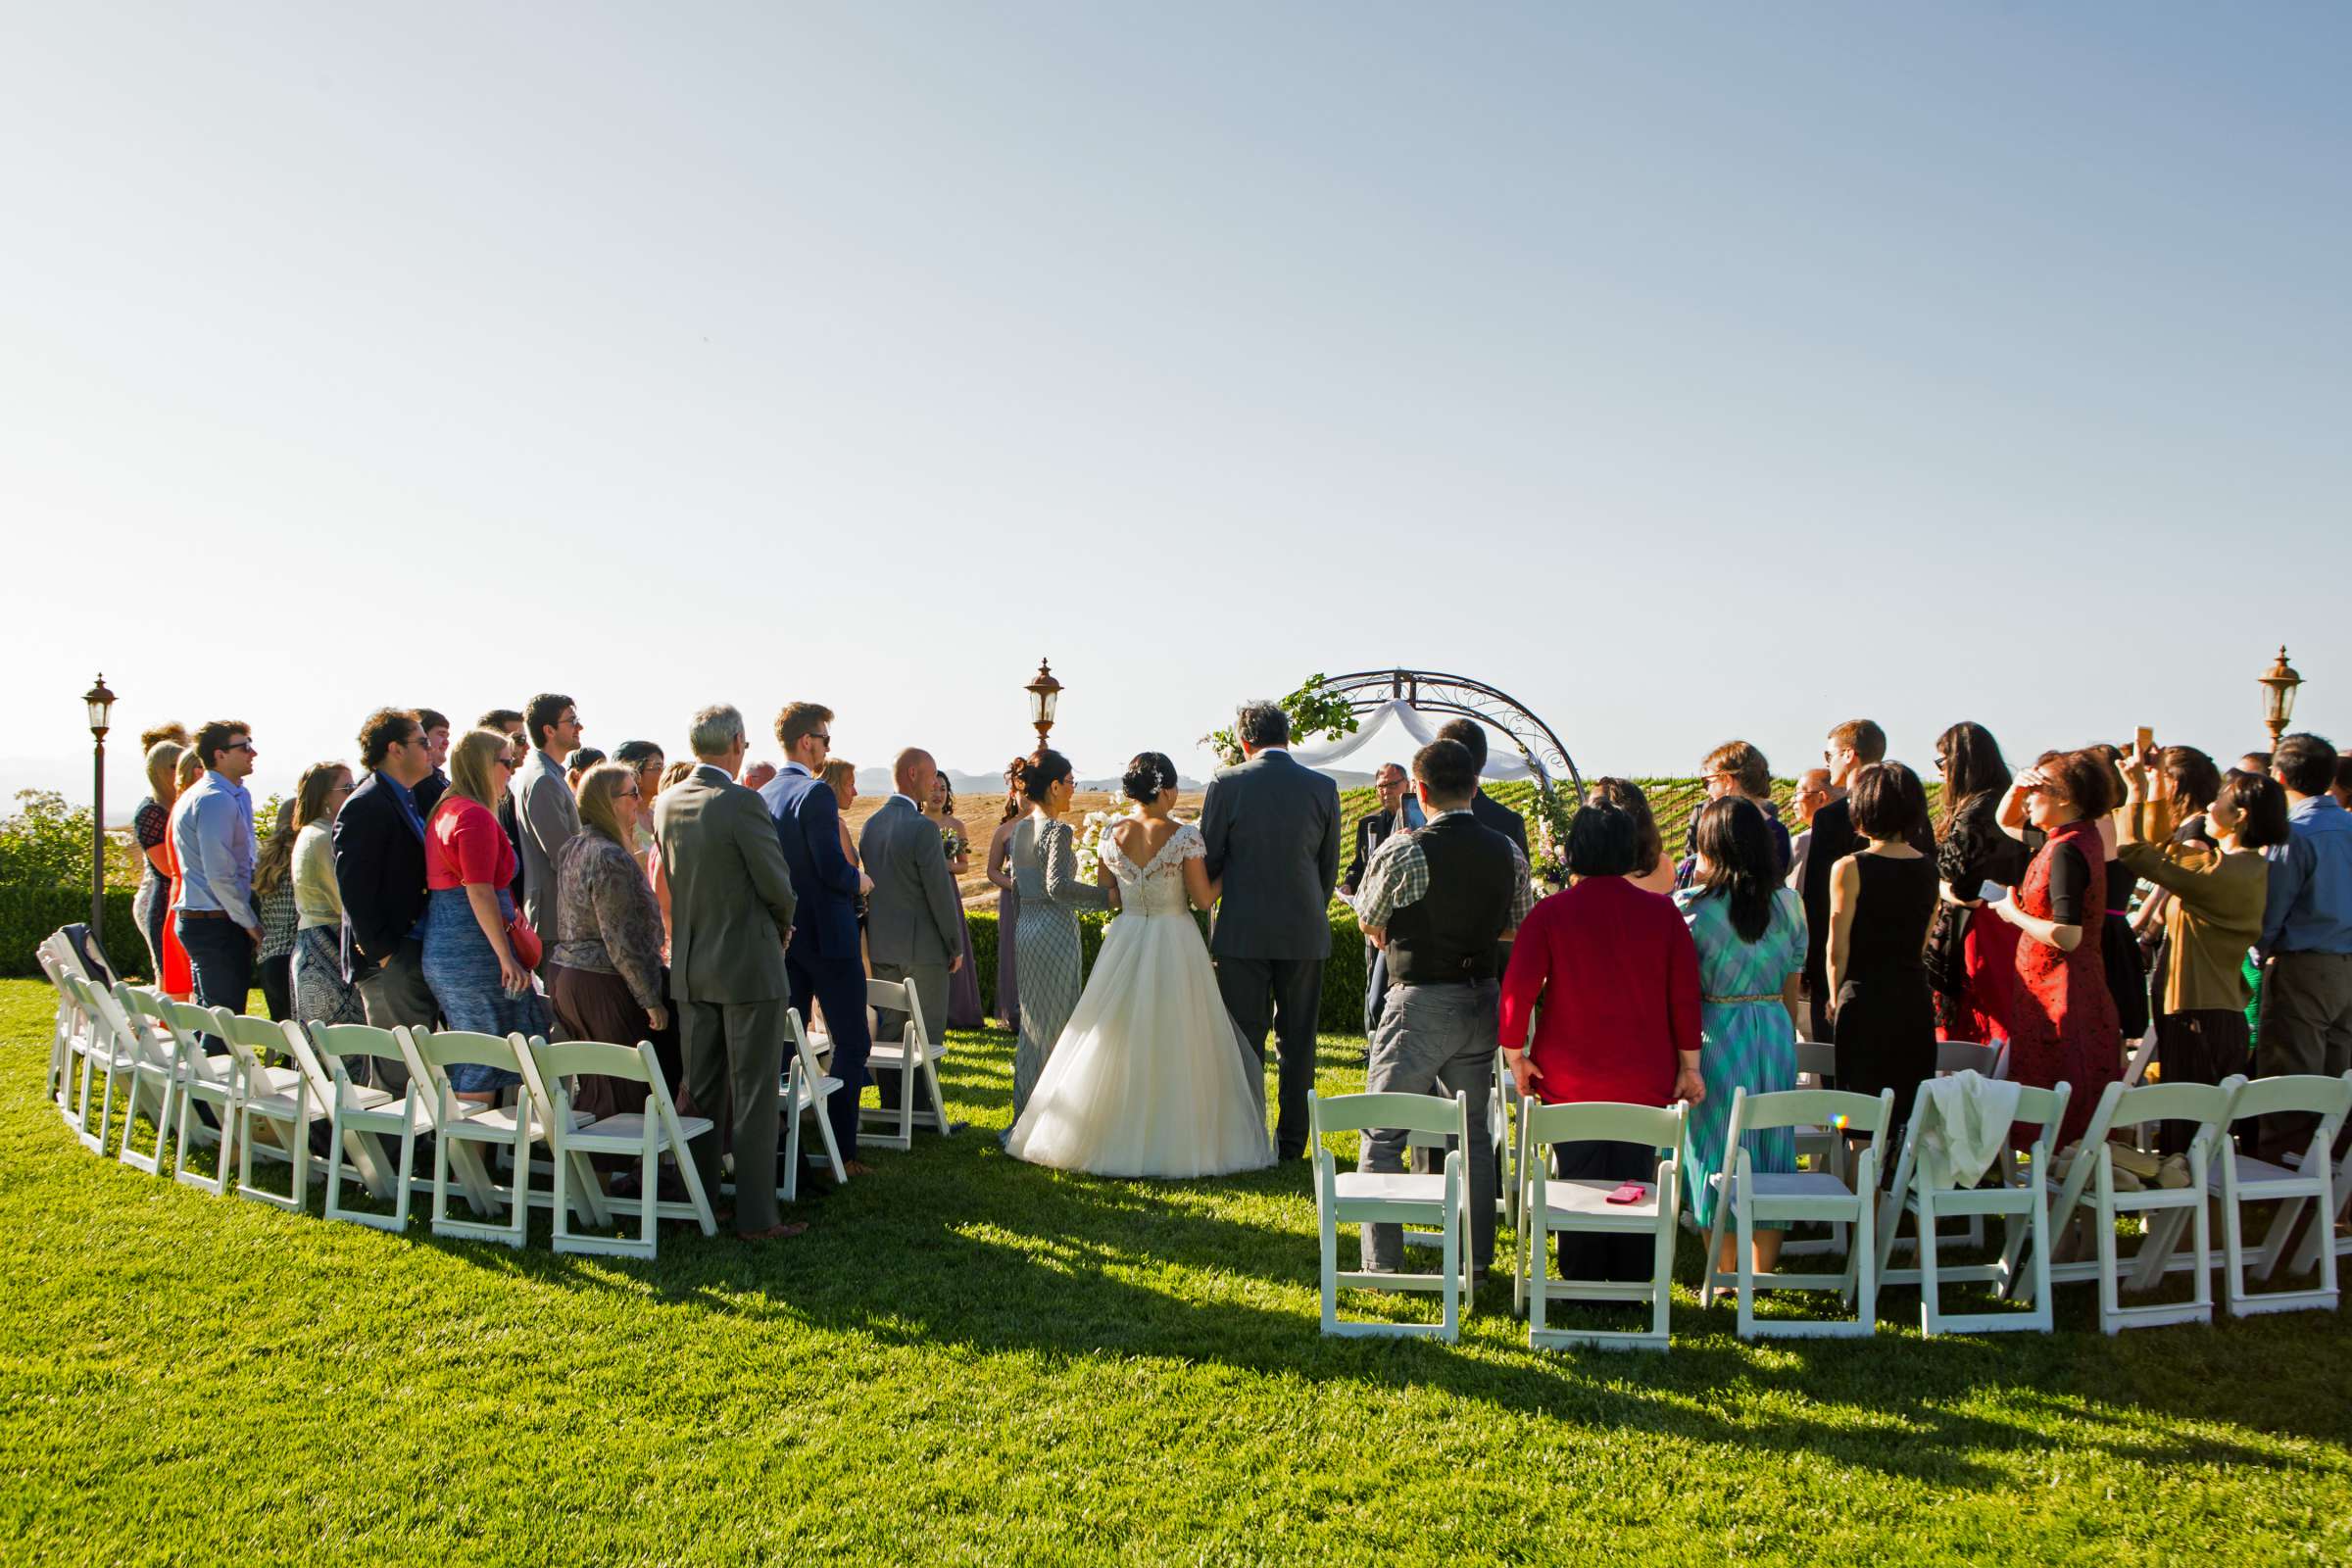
[178, 979]
[1971, 952]
[2062, 1024]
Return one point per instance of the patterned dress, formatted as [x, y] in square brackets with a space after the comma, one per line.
[1045, 866]
[1749, 1041]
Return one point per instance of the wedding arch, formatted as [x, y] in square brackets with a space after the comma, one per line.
[1394, 698]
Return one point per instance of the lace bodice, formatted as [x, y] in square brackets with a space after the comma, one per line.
[1156, 887]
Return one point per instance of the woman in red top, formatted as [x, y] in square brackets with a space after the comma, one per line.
[1616, 973]
[480, 981]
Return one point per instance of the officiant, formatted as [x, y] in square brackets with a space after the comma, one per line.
[1396, 803]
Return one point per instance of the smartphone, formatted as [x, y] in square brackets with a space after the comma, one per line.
[2143, 741]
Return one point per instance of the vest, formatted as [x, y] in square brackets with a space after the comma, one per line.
[1448, 936]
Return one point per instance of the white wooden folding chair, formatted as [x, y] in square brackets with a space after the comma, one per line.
[913, 1058]
[2321, 1235]
[109, 1060]
[1817, 1148]
[1361, 1197]
[276, 1099]
[2087, 1199]
[1951, 1056]
[68, 1039]
[807, 1087]
[1925, 1193]
[1553, 1204]
[1745, 1195]
[491, 1128]
[204, 1080]
[648, 1134]
[134, 1015]
[1507, 1111]
[2239, 1179]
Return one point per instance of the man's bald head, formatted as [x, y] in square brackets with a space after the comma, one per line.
[911, 772]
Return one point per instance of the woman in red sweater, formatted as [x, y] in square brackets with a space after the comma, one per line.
[1616, 977]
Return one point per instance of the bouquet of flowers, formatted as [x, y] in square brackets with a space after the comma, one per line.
[952, 841]
[1089, 840]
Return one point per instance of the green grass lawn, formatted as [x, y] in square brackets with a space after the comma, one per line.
[969, 1359]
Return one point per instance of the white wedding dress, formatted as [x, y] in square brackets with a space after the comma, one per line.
[1149, 1077]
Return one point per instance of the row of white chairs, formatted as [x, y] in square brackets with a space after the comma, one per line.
[115, 1040]
[2056, 1228]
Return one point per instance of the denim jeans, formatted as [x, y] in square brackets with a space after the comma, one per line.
[220, 952]
[1435, 1040]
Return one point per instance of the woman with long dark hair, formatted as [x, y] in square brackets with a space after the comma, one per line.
[956, 843]
[1971, 952]
[1750, 933]
[1045, 863]
[1881, 899]
[1008, 897]
[322, 994]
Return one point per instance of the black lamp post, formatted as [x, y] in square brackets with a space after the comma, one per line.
[102, 707]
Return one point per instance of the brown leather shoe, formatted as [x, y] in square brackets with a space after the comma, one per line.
[852, 1167]
[774, 1233]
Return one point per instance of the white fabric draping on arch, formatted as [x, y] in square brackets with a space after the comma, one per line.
[1393, 732]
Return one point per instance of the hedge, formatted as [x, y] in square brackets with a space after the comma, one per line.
[1342, 976]
[29, 914]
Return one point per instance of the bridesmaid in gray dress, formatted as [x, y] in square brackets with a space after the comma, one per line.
[1009, 899]
[1044, 868]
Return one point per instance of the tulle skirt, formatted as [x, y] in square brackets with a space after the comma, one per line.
[1149, 1077]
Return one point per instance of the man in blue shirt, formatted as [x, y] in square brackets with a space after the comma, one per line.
[2306, 947]
[212, 830]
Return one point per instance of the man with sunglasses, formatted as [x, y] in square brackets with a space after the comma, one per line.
[212, 831]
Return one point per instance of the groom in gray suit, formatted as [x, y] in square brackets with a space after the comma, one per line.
[1272, 829]
[913, 919]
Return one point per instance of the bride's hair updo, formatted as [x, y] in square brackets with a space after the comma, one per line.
[1149, 775]
[1036, 774]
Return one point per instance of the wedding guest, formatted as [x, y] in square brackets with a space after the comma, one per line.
[1371, 831]
[731, 909]
[2255, 763]
[273, 905]
[2119, 945]
[544, 810]
[178, 977]
[1652, 872]
[825, 961]
[1881, 900]
[509, 722]
[2062, 1015]
[1750, 929]
[1971, 952]
[480, 981]
[435, 726]
[379, 874]
[170, 729]
[964, 985]
[576, 765]
[998, 871]
[1813, 792]
[1609, 976]
[914, 922]
[1272, 830]
[2192, 780]
[322, 994]
[2341, 789]
[1045, 863]
[1852, 746]
[841, 777]
[151, 825]
[673, 775]
[607, 972]
[644, 759]
[2306, 942]
[2213, 915]
[1436, 902]
[211, 828]
[1471, 736]
[1736, 768]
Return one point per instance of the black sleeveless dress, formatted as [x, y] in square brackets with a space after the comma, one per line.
[1884, 1029]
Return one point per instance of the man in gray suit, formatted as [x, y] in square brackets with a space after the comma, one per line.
[1272, 829]
[730, 914]
[546, 814]
[913, 919]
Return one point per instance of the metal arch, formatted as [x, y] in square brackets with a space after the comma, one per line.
[1433, 692]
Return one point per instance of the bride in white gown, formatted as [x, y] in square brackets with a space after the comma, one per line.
[1149, 1077]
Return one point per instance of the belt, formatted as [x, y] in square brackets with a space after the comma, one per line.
[1751, 1000]
[202, 914]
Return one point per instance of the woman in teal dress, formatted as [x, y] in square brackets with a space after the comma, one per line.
[1750, 933]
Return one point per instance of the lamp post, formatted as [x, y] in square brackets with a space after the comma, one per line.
[102, 706]
[2278, 684]
[1044, 692]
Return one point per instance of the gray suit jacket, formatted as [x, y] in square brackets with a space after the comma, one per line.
[913, 915]
[1273, 833]
[547, 817]
[730, 895]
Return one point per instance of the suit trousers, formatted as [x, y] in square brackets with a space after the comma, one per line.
[1435, 1040]
[735, 1054]
[2306, 1027]
[929, 982]
[1376, 989]
[1287, 994]
[838, 985]
[395, 994]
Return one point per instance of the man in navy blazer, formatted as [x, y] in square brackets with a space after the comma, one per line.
[823, 962]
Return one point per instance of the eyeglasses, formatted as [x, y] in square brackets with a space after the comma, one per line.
[824, 735]
[629, 795]
[239, 746]
[501, 761]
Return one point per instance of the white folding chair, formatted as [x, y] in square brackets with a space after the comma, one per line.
[355, 1152]
[109, 1057]
[2239, 1179]
[1953, 1056]
[1817, 1148]
[69, 1035]
[1744, 1195]
[807, 1087]
[1361, 1197]
[278, 1099]
[133, 1017]
[1507, 1110]
[2087, 1198]
[913, 1057]
[458, 1122]
[649, 1133]
[1926, 1194]
[2320, 1236]
[1553, 1204]
[204, 1080]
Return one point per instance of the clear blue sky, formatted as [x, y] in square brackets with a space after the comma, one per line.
[1689, 372]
